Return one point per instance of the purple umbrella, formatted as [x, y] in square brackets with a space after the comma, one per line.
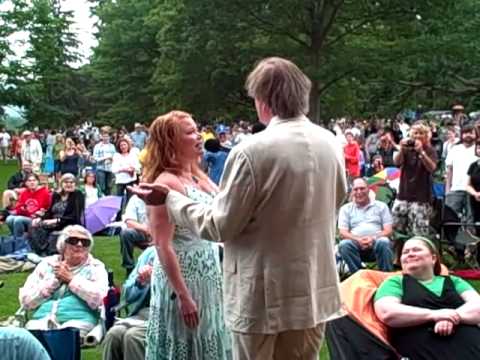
[102, 212]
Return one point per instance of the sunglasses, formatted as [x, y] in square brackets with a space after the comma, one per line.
[75, 240]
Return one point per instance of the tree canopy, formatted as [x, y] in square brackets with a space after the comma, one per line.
[365, 58]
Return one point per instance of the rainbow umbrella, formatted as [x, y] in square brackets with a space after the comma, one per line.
[377, 182]
[386, 175]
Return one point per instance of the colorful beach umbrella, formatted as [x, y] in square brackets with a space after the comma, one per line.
[386, 175]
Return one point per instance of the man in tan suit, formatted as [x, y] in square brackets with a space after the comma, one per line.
[276, 214]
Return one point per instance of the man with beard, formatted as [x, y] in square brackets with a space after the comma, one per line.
[459, 159]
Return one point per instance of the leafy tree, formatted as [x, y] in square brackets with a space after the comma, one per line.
[123, 63]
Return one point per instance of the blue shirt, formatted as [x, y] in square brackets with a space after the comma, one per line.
[215, 163]
[364, 221]
[101, 151]
[135, 294]
[17, 343]
[136, 210]
[139, 139]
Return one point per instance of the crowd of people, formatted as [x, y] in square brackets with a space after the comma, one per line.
[237, 227]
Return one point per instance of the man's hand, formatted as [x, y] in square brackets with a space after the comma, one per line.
[63, 273]
[366, 242]
[144, 274]
[153, 194]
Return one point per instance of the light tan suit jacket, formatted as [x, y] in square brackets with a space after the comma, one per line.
[276, 214]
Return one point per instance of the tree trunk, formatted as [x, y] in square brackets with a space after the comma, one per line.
[314, 113]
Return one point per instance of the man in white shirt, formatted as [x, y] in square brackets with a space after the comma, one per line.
[4, 144]
[459, 159]
[31, 151]
[103, 154]
[136, 233]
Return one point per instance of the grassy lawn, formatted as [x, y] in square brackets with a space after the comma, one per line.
[107, 249]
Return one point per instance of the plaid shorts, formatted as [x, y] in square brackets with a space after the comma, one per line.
[411, 218]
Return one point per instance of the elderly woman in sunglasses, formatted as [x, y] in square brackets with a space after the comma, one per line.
[66, 290]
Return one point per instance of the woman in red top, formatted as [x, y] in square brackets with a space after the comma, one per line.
[31, 204]
[352, 156]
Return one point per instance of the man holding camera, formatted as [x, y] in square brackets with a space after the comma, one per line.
[417, 160]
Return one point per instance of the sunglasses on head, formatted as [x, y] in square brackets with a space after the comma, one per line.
[75, 240]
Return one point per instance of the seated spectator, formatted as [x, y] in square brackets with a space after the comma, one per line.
[215, 158]
[32, 203]
[67, 208]
[9, 201]
[429, 316]
[365, 226]
[90, 190]
[137, 232]
[66, 290]
[376, 165]
[126, 339]
[17, 181]
[20, 344]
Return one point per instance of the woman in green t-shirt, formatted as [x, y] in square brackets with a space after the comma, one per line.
[430, 316]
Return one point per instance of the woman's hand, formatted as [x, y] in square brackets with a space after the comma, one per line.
[50, 222]
[39, 213]
[144, 274]
[36, 222]
[63, 273]
[189, 311]
[443, 328]
[446, 314]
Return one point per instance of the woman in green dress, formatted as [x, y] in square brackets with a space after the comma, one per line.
[186, 307]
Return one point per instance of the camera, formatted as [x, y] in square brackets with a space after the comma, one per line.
[410, 143]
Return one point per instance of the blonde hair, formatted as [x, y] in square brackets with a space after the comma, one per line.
[281, 85]
[9, 198]
[163, 145]
[421, 128]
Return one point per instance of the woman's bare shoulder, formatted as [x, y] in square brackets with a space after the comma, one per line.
[171, 180]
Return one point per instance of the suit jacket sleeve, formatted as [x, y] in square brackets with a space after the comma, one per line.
[231, 209]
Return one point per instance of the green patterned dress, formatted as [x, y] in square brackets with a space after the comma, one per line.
[167, 335]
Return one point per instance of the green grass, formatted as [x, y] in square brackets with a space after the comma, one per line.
[107, 249]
